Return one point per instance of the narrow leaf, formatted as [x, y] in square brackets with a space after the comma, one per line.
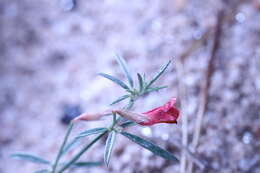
[82, 164]
[120, 99]
[91, 132]
[86, 164]
[42, 171]
[157, 75]
[115, 80]
[130, 91]
[109, 146]
[141, 82]
[144, 77]
[62, 147]
[155, 89]
[29, 157]
[127, 123]
[150, 146]
[123, 65]
[144, 80]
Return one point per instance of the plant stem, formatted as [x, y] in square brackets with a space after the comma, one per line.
[114, 119]
[130, 104]
[184, 127]
[82, 151]
[204, 94]
[62, 147]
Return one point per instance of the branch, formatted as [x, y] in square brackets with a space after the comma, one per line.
[204, 94]
[182, 91]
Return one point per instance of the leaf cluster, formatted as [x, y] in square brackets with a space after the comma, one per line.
[144, 87]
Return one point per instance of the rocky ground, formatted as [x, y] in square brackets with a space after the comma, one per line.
[50, 59]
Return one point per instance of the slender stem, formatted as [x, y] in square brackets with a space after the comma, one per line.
[62, 147]
[184, 127]
[130, 104]
[114, 118]
[82, 151]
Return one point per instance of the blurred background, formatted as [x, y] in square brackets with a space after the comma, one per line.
[51, 52]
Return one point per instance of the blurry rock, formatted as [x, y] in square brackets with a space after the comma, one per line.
[179, 4]
[248, 163]
[67, 5]
[146, 131]
[247, 137]
[56, 58]
[240, 17]
[70, 111]
[7, 99]
[256, 4]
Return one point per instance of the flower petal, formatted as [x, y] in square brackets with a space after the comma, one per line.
[163, 114]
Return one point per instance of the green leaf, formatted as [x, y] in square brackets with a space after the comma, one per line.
[150, 146]
[141, 82]
[130, 91]
[42, 171]
[115, 80]
[157, 75]
[66, 137]
[86, 164]
[29, 157]
[127, 123]
[82, 164]
[120, 99]
[155, 89]
[109, 146]
[91, 132]
[144, 77]
[123, 65]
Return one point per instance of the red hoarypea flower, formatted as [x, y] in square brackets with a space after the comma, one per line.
[163, 114]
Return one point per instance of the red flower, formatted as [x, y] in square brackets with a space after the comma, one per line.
[163, 114]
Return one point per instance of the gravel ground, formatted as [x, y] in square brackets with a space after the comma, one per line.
[50, 59]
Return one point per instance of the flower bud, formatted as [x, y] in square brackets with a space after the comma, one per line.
[90, 117]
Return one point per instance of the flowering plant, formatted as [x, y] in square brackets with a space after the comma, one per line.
[121, 119]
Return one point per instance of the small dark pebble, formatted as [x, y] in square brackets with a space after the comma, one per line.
[56, 58]
[70, 111]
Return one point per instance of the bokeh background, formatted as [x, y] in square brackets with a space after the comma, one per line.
[50, 56]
